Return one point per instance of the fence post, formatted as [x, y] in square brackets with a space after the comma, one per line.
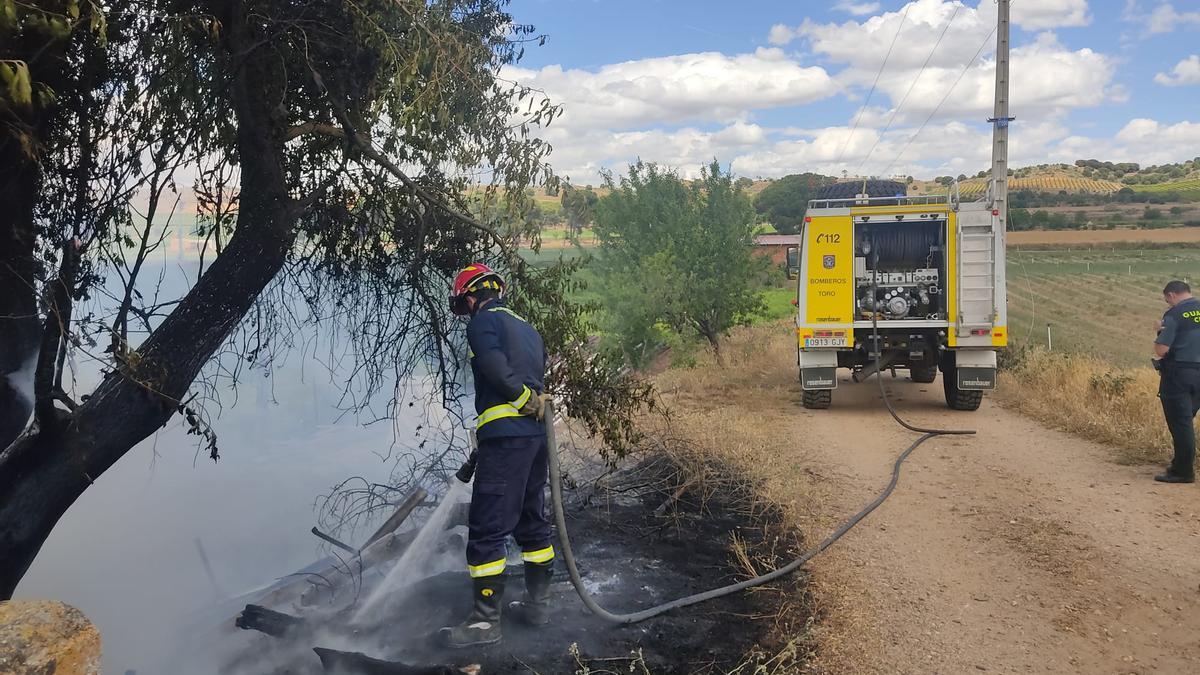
[1049, 339]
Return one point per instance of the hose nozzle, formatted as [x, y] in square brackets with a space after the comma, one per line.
[467, 470]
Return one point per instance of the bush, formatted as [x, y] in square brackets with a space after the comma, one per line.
[1012, 357]
[1110, 385]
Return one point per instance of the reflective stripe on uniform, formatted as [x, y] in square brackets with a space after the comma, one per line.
[508, 312]
[510, 409]
[487, 569]
[538, 556]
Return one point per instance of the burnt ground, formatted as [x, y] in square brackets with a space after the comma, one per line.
[640, 540]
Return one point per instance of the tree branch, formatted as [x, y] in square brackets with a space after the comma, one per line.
[58, 321]
[367, 148]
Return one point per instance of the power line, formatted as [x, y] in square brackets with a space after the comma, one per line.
[882, 66]
[941, 102]
[911, 86]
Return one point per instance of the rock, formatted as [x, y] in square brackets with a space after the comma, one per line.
[40, 637]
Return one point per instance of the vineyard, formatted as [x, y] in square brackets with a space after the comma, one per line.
[1102, 303]
[1191, 186]
[976, 186]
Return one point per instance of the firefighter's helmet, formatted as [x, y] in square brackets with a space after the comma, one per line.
[472, 278]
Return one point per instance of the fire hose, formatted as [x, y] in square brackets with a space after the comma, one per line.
[568, 554]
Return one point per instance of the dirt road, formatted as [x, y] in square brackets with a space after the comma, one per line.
[1019, 550]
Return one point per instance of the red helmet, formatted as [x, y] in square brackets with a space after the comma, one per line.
[472, 278]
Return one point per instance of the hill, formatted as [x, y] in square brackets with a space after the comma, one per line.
[1085, 177]
[1087, 183]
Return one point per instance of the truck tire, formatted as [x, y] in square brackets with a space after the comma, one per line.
[818, 399]
[959, 399]
[923, 374]
[851, 189]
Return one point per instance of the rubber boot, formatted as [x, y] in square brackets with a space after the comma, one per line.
[534, 609]
[482, 627]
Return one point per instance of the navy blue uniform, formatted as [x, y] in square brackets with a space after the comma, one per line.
[1179, 388]
[508, 360]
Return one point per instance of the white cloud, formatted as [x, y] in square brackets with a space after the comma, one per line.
[709, 86]
[1047, 77]
[1164, 18]
[925, 20]
[1155, 135]
[857, 8]
[1185, 72]
[1044, 14]
[942, 148]
[582, 154]
[863, 45]
[780, 34]
[1141, 140]
[682, 111]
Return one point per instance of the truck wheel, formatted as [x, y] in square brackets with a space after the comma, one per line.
[923, 374]
[959, 399]
[818, 399]
[851, 189]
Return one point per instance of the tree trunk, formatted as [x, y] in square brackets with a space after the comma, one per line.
[20, 332]
[44, 471]
[714, 340]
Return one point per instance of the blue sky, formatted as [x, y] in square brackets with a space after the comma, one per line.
[775, 87]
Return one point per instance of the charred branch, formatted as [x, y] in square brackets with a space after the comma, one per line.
[270, 622]
[335, 661]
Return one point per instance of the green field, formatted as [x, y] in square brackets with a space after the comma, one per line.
[1097, 302]
[1186, 189]
[1192, 185]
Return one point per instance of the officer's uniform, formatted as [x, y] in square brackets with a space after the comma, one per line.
[508, 360]
[1179, 388]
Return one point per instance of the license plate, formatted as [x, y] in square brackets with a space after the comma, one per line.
[811, 342]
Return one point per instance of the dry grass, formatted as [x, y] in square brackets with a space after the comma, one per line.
[1091, 398]
[738, 415]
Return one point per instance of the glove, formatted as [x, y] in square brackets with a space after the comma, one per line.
[535, 407]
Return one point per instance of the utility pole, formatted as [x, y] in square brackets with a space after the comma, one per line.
[1000, 118]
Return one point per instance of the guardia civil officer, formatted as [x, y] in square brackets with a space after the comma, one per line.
[508, 361]
[1178, 350]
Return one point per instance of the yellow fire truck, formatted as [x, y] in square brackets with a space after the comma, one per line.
[889, 281]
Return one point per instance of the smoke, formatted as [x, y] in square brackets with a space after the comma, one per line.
[21, 379]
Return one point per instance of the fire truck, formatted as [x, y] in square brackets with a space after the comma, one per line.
[888, 281]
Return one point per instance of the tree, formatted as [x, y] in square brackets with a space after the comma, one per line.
[784, 202]
[676, 254]
[333, 144]
[579, 206]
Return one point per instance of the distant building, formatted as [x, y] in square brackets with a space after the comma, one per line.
[775, 246]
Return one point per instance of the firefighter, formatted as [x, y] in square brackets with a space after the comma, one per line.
[508, 361]
[1177, 348]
